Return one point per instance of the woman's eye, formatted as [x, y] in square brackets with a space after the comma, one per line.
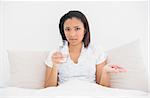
[67, 29]
[77, 29]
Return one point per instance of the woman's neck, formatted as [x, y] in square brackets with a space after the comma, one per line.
[75, 48]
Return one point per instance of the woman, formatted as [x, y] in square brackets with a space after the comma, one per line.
[84, 62]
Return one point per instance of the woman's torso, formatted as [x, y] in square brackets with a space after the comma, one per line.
[84, 69]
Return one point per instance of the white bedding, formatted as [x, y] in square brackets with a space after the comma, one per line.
[72, 88]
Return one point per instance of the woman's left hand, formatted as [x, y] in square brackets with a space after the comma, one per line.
[113, 68]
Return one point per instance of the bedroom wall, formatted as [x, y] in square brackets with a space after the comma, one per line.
[34, 25]
[2, 67]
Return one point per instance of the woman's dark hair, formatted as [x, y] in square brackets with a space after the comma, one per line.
[78, 15]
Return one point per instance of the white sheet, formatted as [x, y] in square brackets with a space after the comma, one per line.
[72, 88]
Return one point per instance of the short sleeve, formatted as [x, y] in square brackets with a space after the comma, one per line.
[101, 58]
[100, 55]
[48, 60]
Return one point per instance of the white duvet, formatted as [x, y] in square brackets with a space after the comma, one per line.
[71, 88]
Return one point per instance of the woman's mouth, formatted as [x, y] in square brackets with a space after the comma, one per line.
[73, 40]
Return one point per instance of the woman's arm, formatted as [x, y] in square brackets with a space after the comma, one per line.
[103, 73]
[51, 76]
[102, 77]
[105, 78]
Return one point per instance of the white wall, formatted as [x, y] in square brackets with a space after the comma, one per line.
[34, 25]
[3, 68]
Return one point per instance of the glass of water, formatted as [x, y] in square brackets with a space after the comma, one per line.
[65, 55]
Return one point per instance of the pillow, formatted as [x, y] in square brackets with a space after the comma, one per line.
[4, 69]
[129, 56]
[27, 68]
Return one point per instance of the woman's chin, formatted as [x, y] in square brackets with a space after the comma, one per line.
[73, 43]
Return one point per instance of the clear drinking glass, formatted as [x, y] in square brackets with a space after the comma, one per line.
[65, 55]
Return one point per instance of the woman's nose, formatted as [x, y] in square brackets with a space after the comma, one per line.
[72, 33]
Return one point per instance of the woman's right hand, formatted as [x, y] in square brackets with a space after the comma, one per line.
[57, 58]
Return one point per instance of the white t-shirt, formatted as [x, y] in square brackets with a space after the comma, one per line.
[85, 69]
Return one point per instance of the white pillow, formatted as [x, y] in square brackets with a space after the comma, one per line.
[129, 56]
[27, 68]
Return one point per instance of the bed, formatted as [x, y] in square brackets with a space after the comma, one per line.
[27, 71]
[72, 88]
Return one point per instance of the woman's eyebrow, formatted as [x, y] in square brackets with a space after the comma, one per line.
[73, 26]
[76, 26]
[66, 27]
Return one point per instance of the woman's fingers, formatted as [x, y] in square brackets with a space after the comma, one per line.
[115, 69]
[120, 69]
[57, 61]
[57, 55]
[57, 58]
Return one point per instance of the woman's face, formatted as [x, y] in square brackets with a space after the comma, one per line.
[74, 31]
